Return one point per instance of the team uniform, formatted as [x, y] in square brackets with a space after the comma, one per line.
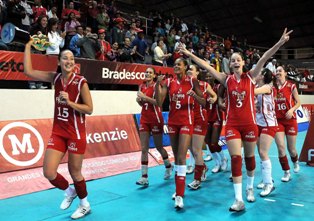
[181, 114]
[215, 120]
[265, 113]
[200, 113]
[69, 131]
[240, 114]
[284, 101]
[151, 116]
[267, 124]
[214, 115]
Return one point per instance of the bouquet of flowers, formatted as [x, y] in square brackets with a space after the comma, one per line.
[40, 42]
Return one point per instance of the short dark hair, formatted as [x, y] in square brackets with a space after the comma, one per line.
[268, 75]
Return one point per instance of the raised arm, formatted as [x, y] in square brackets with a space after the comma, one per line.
[265, 89]
[28, 67]
[221, 77]
[270, 52]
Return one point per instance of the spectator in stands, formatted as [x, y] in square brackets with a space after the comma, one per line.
[68, 10]
[272, 66]
[89, 45]
[15, 13]
[140, 47]
[52, 13]
[92, 16]
[114, 53]
[103, 18]
[70, 28]
[184, 27]
[171, 40]
[27, 21]
[227, 44]
[105, 46]
[160, 30]
[117, 32]
[131, 33]
[216, 61]
[73, 43]
[225, 62]
[155, 44]
[38, 10]
[126, 52]
[168, 26]
[73, 100]
[56, 40]
[40, 27]
[160, 58]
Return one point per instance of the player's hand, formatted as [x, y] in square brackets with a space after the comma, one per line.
[289, 114]
[65, 96]
[285, 36]
[191, 93]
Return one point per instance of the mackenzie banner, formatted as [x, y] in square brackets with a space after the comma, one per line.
[96, 72]
[22, 143]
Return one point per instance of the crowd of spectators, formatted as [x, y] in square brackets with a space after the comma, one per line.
[98, 30]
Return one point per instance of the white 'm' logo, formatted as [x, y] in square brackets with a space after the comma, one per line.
[25, 146]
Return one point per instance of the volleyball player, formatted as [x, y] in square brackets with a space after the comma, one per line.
[240, 119]
[151, 122]
[72, 101]
[180, 124]
[287, 102]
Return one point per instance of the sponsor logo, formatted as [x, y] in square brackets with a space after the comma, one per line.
[185, 128]
[60, 100]
[17, 145]
[198, 128]
[106, 136]
[72, 147]
[291, 130]
[229, 133]
[250, 135]
[11, 65]
[122, 75]
[155, 129]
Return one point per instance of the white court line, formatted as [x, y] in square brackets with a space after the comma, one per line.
[270, 200]
[297, 204]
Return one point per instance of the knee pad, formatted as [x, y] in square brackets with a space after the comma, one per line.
[250, 163]
[236, 165]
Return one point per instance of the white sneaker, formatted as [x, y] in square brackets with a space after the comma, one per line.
[224, 164]
[208, 158]
[268, 188]
[143, 181]
[174, 196]
[168, 173]
[204, 174]
[195, 184]
[216, 169]
[178, 202]
[237, 206]
[66, 203]
[189, 169]
[250, 195]
[81, 211]
[260, 185]
[296, 167]
[286, 177]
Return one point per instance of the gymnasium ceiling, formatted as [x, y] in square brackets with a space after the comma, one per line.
[227, 17]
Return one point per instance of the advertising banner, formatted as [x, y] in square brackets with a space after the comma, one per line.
[22, 143]
[96, 72]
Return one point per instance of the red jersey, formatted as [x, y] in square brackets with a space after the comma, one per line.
[200, 113]
[150, 113]
[240, 100]
[181, 104]
[284, 100]
[213, 112]
[68, 122]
